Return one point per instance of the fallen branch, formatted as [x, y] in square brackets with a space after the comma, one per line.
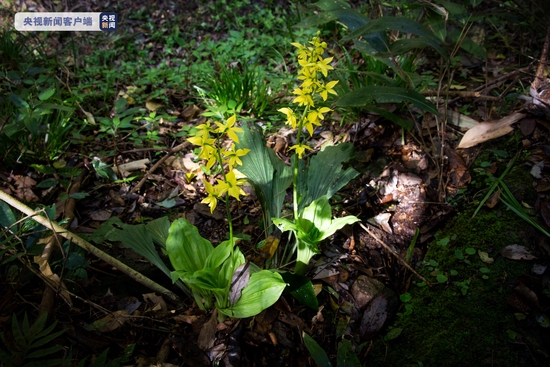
[48, 296]
[156, 165]
[138, 277]
[396, 255]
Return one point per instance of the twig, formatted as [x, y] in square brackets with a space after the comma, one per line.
[396, 255]
[461, 94]
[485, 88]
[138, 277]
[156, 165]
[48, 297]
[539, 79]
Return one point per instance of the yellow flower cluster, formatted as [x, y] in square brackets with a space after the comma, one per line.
[313, 65]
[209, 138]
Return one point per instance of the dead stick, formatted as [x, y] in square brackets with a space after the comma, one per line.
[156, 165]
[138, 277]
[396, 255]
[539, 79]
[48, 297]
[460, 94]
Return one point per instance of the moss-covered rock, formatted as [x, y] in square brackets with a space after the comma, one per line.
[464, 319]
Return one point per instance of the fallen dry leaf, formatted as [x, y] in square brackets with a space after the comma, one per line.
[516, 252]
[112, 321]
[489, 130]
[374, 317]
[207, 335]
[24, 188]
[493, 199]
[459, 120]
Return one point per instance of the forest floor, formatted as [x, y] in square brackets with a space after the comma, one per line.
[442, 271]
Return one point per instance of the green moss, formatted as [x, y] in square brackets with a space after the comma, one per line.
[449, 328]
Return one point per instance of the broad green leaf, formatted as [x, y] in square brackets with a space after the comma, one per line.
[79, 195]
[319, 213]
[305, 251]
[47, 94]
[18, 101]
[32, 124]
[44, 169]
[185, 246]
[336, 224]
[378, 94]
[120, 105]
[316, 20]
[468, 45]
[7, 218]
[400, 24]
[346, 355]
[301, 288]
[406, 124]
[453, 8]
[218, 255]
[285, 224]
[263, 290]
[403, 46]
[206, 278]
[47, 183]
[317, 353]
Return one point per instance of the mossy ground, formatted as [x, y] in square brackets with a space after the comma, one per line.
[466, 320]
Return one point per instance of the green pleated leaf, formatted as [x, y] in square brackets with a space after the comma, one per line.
[159, 230]
[325, 175]
[137, 238]
[379, 94]
[269, 176]
[400, 24]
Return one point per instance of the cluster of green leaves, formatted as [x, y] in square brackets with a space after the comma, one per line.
[37, 114]
[346, 355]
[239, 288]
[388, 71]
[28, 344]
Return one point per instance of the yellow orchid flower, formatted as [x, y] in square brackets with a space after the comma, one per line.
[227, 128]
[212, 198]
[290, 116]
[231, 185]
[300, 149]
[234, 155]
[327, 88]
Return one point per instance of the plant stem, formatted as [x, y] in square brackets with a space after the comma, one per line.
[227, 207]
[296, 165]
